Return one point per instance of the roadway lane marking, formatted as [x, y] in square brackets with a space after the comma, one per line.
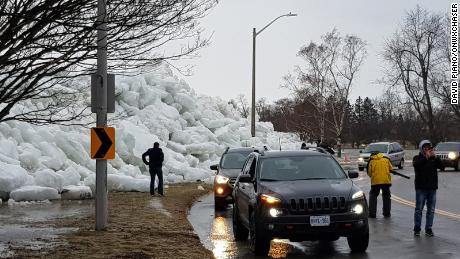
[437, 211]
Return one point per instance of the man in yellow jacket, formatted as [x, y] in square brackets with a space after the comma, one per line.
[379, 170]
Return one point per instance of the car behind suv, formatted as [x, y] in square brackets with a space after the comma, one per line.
[299, 195]
[391, 150]
[449, 153]
[228, 169]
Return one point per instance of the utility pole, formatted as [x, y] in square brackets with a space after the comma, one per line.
[101, 113]
[254, 35]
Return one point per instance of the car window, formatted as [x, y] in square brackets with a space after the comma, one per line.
[300, 168]
[392, 148]
[234, 160]
[447, 147]
[398, 147]
[252, 168]
[382, 148]
[248, 165]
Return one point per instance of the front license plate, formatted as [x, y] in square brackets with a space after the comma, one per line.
[320, 221]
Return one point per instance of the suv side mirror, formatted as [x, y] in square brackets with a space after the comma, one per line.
[353, 174]
[214, 167]
[245, 178]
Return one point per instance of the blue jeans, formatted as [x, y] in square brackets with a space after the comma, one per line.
[423, 196]
[156, 171]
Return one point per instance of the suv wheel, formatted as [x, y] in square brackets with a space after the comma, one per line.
[401, 164]
[359, 242]
[361, 168]
[219, 203]
[240, 232]
[260, 243]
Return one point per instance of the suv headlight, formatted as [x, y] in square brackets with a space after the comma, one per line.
[357, 195]
[221, 179]
[360, 159]
[452, 155]
[358, 209]
[269, 199]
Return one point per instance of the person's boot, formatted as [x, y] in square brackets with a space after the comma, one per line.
[429, 233]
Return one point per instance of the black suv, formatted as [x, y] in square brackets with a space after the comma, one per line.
[449, 153]
[299, 195]
[228, 169]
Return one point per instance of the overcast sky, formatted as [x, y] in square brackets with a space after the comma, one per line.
[224, 68]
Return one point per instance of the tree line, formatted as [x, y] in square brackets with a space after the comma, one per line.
[416, 82]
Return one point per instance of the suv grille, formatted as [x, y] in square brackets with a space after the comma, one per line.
[317, 205]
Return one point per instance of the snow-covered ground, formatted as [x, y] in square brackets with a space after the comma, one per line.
[53, 162]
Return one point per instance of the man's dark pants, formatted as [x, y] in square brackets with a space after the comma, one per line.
[386, 197]
[156, 171]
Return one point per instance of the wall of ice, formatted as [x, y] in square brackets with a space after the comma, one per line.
[192, 130]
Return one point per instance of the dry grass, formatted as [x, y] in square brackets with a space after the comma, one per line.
[136, 229]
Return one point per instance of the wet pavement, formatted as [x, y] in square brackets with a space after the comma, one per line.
[26, 225]
[389, 238]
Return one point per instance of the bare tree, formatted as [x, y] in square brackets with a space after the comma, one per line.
[413, 55]
[242, 106]
[328, 76]
[440, 78]
[46, 43]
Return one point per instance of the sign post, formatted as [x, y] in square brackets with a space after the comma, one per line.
[101, 113]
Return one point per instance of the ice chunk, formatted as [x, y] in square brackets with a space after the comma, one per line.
[73, 192]
[124, 183]
[12, 177]
[34, 193]
[48, 178]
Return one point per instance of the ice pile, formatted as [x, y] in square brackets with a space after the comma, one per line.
[52, 162]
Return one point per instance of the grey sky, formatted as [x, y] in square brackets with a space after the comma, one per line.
[224, 68]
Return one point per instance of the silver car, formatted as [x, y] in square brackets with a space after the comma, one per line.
[391, 150]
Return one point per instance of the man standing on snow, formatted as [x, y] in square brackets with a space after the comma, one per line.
[156, 158]
[426, 166]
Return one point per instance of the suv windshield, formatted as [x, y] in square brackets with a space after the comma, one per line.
[382, 148]
[234, 160]
[300, 168]
[447, 147]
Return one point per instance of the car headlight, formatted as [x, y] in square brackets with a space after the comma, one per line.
[357, 195]
[274, 212]
[221, 179]
[358, 209]
[452, 155]
[269, 199]
[360, 159]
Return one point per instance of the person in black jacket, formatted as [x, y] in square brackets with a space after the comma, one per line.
[426, 166]
[156, 158]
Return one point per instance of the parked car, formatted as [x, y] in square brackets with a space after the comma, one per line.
[449, 153]
[299, 195]
[229, 167]
[391, 150]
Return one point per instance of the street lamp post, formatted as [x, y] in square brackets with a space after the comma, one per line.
[254, 35]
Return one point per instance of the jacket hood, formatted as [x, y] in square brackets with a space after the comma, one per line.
[377, 156]
[423, 142]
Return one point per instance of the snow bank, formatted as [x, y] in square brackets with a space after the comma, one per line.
[192, 130]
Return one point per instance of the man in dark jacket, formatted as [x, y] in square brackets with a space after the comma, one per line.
[156, 158]
[426, 166]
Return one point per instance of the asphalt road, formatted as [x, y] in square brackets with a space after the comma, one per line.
[389, 238]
